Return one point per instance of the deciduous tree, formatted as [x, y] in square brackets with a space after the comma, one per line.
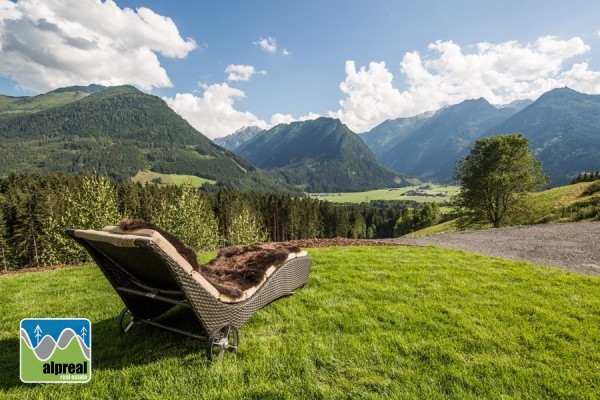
[495, 178]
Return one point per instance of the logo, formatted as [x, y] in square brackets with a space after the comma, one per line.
[56, 350]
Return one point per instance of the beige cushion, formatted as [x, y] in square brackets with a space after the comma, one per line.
[121, 238]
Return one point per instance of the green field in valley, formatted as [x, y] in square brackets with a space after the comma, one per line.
[169, 179]
[422, 193]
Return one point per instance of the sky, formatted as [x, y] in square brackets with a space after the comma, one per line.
[226, 64]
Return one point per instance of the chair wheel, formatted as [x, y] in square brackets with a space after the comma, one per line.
[225, 337]
[125, 317]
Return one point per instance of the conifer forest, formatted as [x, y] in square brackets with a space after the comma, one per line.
[35, 210]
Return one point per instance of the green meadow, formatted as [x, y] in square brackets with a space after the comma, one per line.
[169, 179]
[422, 193]
[373, 322]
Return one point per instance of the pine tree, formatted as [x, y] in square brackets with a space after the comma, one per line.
[5, 261]
[30, 213]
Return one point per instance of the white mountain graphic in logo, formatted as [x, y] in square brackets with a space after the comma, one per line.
[44, 349]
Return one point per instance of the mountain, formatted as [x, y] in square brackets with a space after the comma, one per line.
[320, 155]
[114, 131]
[562, 125]
[239, 137]
[427, 146]
[31, 104]
[392, 132]
[563, 128]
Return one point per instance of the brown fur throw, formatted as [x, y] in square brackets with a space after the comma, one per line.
[235, 268]
[238, 268]
[186, 252]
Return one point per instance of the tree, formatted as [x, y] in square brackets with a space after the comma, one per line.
[4, 249]
[245, 227]
[91, 202]
[413, 220]
[188, 215]
[495, 178]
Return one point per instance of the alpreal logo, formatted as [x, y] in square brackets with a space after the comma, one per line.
[56, 350]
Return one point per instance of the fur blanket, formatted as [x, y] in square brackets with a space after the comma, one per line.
[238, 268]
[186, 251]
[235, 268]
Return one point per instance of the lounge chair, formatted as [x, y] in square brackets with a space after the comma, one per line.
[151, 277]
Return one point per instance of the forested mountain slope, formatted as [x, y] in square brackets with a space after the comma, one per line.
[114, 131]
[320, 155]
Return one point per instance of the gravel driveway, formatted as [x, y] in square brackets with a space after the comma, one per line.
[570, 246]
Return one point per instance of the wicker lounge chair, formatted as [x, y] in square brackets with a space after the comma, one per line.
[151, 277]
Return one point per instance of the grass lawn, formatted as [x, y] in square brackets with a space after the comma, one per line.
[544, 206]
[373, 322]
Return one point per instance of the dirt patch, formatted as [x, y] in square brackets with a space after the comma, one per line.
[339, 241]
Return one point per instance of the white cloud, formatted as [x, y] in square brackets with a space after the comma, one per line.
[242, 72]
[279, 118]
[285, 52]
[54, 43]
[447, 74]
[370, 96]
[269, 44]
[214, 114]
[580, 78]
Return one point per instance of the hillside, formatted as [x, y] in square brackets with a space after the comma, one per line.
[570, 203]
[428, 146]
[320, 155]
[114, 131]
[563, 127]
[31, 104]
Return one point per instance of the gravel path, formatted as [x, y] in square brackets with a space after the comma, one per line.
[570, 246]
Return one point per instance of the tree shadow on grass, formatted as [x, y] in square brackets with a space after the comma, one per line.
[114, 350]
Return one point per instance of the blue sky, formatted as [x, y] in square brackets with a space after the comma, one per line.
[225, 64]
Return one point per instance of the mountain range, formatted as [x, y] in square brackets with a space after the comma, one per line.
[562, 125]
[120, 131]
[428, 145]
